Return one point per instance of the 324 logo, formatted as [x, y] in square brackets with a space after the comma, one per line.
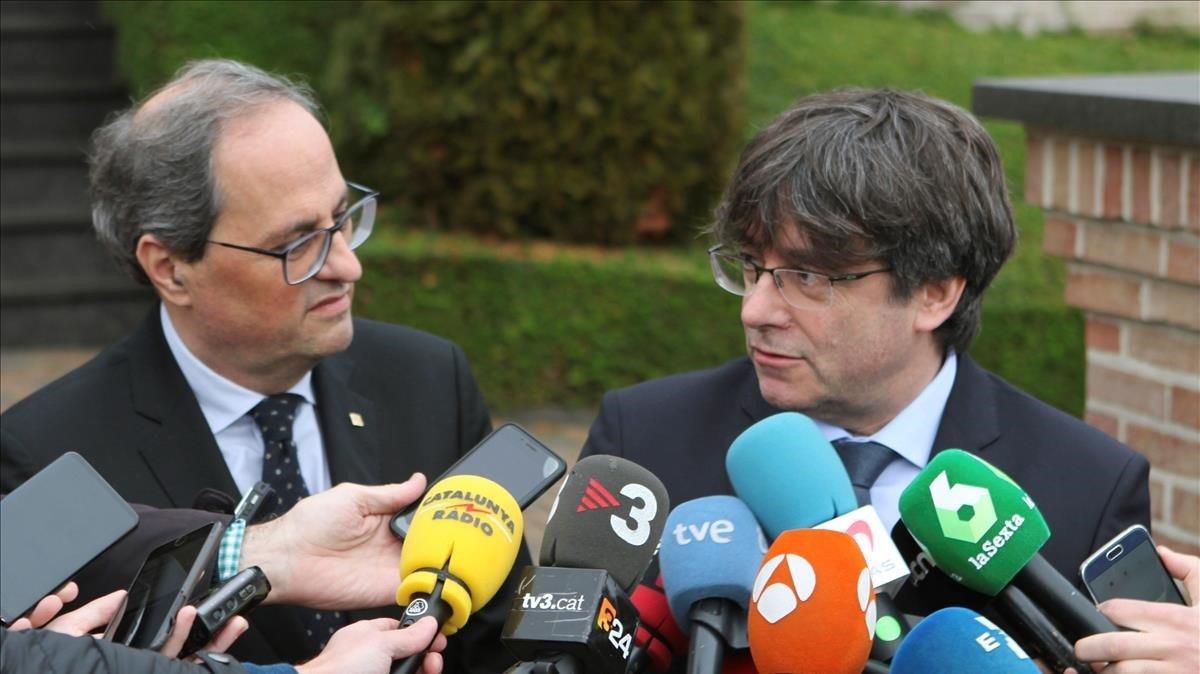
[607, 620]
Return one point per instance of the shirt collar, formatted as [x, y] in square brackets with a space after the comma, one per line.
[912, 432]
[221, 401]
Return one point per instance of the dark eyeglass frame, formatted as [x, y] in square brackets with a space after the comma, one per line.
[282, 253]
[759, 270]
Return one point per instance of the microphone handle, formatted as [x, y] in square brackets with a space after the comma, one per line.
[637, 660]
[706, 649]
[1037, 629]
[1077, 616]
[560, 663]
[434, 606]
[876, 667]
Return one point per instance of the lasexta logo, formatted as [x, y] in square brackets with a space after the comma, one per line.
[596, 497]
[951, 504]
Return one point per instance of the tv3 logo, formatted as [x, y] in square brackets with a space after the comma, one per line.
[597, 497]
[607, 620]
[948, 503]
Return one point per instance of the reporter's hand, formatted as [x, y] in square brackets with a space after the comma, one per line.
[91, 617]
[371, 646]
[47, 607]
[1166, 637]
[220, 642]
[334, 550]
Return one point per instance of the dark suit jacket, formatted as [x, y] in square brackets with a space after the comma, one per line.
[132, 415]
[1087, 485]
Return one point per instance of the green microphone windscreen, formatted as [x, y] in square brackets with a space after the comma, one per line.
[978, 525]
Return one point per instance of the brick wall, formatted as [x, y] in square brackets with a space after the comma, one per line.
[1126, 217]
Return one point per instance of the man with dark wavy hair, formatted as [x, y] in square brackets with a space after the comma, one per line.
[861, 229]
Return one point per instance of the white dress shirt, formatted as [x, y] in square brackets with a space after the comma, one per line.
[226, 407]
[910, 435]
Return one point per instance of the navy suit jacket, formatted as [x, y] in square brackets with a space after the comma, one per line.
[131, 414]
[1088, 486]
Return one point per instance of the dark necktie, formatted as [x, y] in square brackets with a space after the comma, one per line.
[864, 463]
[275, 416]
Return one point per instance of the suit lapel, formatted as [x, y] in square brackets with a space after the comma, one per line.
[348, 424]
[180, 449]
[969, 421]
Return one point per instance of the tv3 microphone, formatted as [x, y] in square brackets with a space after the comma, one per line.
[709, 557]
[984, 531]
[460, 547]
[812, 605]
[573, 613]
[960, 640]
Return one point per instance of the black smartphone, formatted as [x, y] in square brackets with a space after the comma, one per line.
[236, 596]
[1128, 567]
[51, 526]
[167, 580]
[510, 457]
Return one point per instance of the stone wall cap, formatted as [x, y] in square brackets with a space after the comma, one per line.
[1149, 107]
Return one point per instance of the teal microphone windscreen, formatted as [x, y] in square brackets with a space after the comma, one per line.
[977, 525]
[711, 549]
[789, 474]
[960, 640]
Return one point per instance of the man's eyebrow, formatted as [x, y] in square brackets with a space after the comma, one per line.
[305, 226]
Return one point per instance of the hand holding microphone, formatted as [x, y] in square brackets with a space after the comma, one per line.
[461, 546]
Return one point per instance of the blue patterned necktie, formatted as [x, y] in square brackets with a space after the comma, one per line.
[864, 463]
[275, 416]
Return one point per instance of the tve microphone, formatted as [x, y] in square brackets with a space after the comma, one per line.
[812, 605]
[709, 557]
[658, 639]
[960, 640]
[573, 613]
[608, 508]
[984, 531]
[789, 474]
[461, 546]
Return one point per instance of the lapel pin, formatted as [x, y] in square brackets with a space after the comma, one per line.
[356, 420]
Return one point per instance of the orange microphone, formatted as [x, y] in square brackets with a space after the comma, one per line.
[812, 605]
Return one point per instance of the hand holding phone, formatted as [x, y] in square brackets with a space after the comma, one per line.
[1128, 567]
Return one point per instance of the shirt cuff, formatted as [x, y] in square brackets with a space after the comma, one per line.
[229, 554]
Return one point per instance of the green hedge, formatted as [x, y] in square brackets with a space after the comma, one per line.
[603, 122]
[547, 327]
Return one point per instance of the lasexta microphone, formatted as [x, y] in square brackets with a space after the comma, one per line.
[709, 557]
[960, 640]
[461, 546]
[788, 474]
[658, 639]
[812, 605]
[573, 613]
[984, 531]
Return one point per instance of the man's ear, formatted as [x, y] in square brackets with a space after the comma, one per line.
[167, 273]
[938, 299]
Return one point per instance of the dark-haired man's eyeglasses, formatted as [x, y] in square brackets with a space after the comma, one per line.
[738, 273]
[304, 257]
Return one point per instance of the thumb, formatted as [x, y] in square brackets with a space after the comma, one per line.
[1182, 567]
[413, 639]
[391, 498]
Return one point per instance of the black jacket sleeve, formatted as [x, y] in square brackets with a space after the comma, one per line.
[49, 652]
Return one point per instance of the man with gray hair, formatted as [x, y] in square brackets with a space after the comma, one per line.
[221, 191]
[861, 229]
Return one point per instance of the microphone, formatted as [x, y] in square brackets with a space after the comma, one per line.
[812, 605]
[984, 531]
[573, 613]
[788, 474]
[658, 637]
[709, 558]
[460, 547]
[960, 640]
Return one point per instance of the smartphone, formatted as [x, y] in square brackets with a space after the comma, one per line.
[1128, 567]
[236, 596]
[167, 580]
[51, 527]
[510, 457]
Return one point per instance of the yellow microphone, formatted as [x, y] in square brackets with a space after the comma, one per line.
[460, 547]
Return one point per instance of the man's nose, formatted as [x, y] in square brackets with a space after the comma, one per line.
[342, 265]
[763, 305]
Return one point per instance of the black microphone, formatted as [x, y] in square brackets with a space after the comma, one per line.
[214, 501]
[573, 613]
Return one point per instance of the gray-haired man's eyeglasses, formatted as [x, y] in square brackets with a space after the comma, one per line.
[739, 274]
[304, 257]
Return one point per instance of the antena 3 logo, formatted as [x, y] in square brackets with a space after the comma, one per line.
[472, 509]
[776, 601]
